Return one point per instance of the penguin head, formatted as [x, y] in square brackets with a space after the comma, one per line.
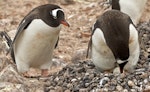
[58, 15]
[52, 15]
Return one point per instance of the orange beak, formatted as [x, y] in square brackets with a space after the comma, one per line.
[64, 22]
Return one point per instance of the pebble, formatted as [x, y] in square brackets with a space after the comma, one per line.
[145, 81]
[59, 89]
[133, 90]
[125, 90]
[56, 79]
[131, 83]
[73, 80]
[148, 49]
[103, 81]
[67, 90]
[147, 87]
[52, 91]
[69, 85]
[83, 90]
[105, 89]
[119, 88]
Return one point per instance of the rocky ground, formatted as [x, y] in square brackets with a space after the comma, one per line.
[78, 74]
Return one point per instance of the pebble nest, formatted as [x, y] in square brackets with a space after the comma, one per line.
[82, 76]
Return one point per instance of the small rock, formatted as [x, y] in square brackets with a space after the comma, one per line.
[125, 90]
[83, 90]
[59, 89]
[87, 74]
[103, 81]
[145, 81]
[144, 75]
[148, 50]
[96, 90]
[91, 76]
[69, 85]
[87, 84]
[56, 79]
[131, 83]
[105, 89]
[67, 90]
[133, 90]
[73, 80]
[147, 87]
[52, 91]
[119, 88]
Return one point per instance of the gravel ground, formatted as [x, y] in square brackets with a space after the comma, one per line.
[80, 75]
[83, 76]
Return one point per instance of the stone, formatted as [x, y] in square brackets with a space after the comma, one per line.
[125, 90]
[103, 81]
[67, 90]
[83, 90]
[119, 88]
[131, 83]
[74, 80]
[58, 89]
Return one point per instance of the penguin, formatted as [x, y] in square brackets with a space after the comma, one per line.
[36, 38]
[133, 8]
[114, 42]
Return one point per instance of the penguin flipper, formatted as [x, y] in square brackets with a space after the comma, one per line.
[57, 43]
[7, 37]
[22, 26]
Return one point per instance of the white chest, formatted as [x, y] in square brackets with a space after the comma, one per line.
[102, 56]
[35, 45]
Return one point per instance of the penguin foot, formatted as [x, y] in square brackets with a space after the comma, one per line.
[28, 75]
[32, 73]
[44, 72]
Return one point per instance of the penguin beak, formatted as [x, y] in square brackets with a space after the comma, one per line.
[121, 66]
[64, 22]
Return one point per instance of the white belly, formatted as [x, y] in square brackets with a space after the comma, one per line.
[102, 56]
[34, 47]
[134, 49]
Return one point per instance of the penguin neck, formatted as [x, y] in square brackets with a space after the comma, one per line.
[115, 4]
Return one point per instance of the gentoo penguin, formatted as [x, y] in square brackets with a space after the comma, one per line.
[114, 42]
[36, 38]
[133, 8]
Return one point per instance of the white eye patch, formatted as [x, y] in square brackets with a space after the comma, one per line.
[54, 13]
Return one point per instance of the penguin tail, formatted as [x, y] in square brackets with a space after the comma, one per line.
[89, 49]
[8, 43]
[3, 34]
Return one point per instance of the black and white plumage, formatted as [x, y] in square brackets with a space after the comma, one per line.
[133, 8]
[37, 36]
[114, 41]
